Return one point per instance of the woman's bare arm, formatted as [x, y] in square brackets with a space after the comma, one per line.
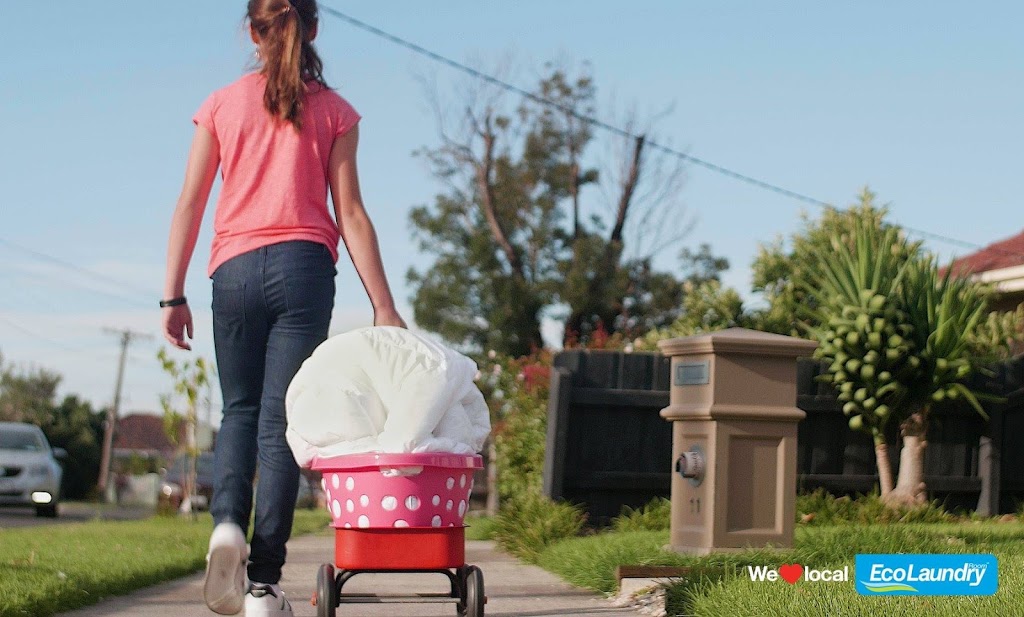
[357, 229]
[200, 173]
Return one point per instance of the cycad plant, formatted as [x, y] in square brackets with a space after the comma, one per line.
[898, 335]
[864, 334]
[945, 312]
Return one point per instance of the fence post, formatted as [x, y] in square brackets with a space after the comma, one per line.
[990, 464]
[558, 419]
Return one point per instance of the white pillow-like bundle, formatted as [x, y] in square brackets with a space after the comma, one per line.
[384, 389]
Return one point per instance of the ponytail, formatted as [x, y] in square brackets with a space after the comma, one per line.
[285, 29]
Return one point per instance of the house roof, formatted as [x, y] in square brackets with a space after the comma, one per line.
[1006, 253]
[142, 431]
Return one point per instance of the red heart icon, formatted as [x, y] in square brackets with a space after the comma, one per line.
[791, 572]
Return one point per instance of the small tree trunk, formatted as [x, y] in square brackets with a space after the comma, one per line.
[885, 483]
[910, 488]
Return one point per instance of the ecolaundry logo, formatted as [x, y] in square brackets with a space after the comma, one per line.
[927, 575]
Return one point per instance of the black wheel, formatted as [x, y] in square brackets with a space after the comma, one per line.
[47, 511]
[326, 592]
[475, 597]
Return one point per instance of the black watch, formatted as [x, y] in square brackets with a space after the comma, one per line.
[173, 302]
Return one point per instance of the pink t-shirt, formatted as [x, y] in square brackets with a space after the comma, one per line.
[275, 178]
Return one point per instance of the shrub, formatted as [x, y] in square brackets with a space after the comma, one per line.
[656, 515]
[517, 394]
[531, 523]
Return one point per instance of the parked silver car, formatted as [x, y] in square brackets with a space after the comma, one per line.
[29, 472]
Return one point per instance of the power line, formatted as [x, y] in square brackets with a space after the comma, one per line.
[95, 353]
[36, 335]
[735, 175]
[82, 270]
[70, 266]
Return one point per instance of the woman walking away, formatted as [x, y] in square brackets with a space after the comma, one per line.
[280, 137]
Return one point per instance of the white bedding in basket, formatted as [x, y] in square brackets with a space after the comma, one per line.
[384, 389]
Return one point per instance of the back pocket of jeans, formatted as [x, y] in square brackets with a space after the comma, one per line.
[228, 303]
[310, 298]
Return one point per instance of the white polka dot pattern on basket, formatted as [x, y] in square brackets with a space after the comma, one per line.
[323, 483]
[438, 497]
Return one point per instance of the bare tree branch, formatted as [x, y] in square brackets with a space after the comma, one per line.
[484, 171]
[628, 189]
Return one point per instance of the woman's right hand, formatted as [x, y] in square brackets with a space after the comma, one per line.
[388, 317]
[178, 325]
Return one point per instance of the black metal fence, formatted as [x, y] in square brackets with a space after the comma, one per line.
[607, 446]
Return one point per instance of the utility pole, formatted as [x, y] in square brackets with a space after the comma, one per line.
[127, 336]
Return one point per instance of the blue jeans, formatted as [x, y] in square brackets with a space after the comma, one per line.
[271, 308]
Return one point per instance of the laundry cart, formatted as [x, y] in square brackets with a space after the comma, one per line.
[399, 513]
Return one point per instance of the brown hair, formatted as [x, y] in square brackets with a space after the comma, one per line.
[285, 29]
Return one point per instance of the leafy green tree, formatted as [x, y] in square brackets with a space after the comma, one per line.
[781, 274]
[29, 395]
[511, 236]
[75, 426]
[707, 307]
[26, 395]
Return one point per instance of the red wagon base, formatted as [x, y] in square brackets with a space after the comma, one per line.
[401, 550]
[411, 548]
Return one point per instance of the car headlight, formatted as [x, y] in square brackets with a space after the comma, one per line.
[169, 489]
[39, 471]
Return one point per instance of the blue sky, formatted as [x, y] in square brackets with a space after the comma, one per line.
[920, 100]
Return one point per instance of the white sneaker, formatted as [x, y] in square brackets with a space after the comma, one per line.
[226, 580]
[265, 600]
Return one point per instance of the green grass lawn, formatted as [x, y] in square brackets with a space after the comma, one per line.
[45, 570]
[726, 590]
[479, 527]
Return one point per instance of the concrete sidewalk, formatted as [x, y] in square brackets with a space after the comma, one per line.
[513, 590]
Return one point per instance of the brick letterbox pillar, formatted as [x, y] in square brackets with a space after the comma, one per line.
[733, 405]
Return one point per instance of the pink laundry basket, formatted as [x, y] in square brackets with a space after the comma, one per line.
[374, 491]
